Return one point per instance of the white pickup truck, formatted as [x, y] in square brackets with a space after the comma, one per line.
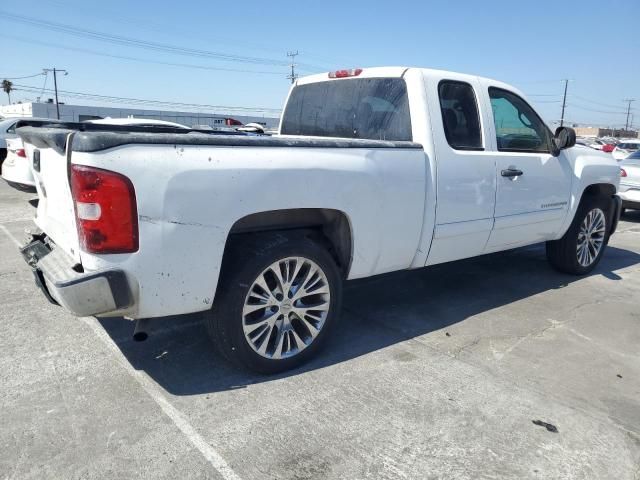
[373, 170]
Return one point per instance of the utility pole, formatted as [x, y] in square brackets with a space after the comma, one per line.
[564, 101]
[55, 85]
[293, 75]
[629, 100]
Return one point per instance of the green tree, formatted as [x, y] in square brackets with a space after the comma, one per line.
[7, 86]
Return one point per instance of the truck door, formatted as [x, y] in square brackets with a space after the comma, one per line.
[466, 181]
[533, 186]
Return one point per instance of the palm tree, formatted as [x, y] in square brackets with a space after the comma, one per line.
[7, 86]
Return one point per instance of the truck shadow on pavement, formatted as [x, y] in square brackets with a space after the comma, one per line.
[378, 312]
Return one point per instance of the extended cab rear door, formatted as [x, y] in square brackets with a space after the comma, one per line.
[533, 186]
[466, 180]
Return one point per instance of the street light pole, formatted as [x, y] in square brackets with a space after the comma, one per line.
[55, 85]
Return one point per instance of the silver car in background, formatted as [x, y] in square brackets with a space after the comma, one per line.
[630, 182]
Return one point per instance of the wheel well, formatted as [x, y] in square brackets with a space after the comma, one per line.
[599, 189]
[328, 226]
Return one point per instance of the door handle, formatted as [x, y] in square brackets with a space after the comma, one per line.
[511, 172]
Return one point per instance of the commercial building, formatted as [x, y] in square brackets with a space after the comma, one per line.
[598, 132]
[79, 113]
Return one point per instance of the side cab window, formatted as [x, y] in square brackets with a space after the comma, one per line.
[460, 116]
[518, 126]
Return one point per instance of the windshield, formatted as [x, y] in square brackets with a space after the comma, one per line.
[372, 108]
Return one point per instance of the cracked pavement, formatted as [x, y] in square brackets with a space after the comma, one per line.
[437, 373]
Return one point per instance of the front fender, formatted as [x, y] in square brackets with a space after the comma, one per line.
[591, 169]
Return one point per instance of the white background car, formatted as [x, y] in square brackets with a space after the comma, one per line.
[7, 130]
[630, 181]
[15, 167]
[17, 170]
[592, 142]
[598, 144]
[138, 122]
[625, 148]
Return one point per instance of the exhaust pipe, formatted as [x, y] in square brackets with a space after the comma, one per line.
[140, 331]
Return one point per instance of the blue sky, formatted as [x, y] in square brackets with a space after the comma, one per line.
[533, 45]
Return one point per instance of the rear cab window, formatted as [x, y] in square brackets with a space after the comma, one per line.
[365, 108]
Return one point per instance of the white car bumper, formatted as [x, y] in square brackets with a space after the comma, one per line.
[17, 170]
[630, 195]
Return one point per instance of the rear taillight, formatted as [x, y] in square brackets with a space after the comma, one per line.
[21, 153]
[353, 72]
[623, 173]
[106, 211]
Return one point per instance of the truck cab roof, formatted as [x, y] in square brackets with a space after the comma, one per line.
[401, 71]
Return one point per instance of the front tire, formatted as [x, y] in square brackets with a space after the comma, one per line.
[582, 246]
[278, 298]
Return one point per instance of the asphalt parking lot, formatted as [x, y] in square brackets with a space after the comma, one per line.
[438, 373]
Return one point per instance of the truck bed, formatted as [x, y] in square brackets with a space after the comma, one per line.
[193, 189]
[95, 137]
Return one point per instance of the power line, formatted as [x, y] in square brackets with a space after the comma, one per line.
[136, 59]
[143, 44]
[596, 103]
[140, 101]
[44, 85]
[582, 107]
[535, 82]
[20, 78]
[149, 25]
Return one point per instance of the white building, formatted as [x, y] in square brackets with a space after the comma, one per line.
[79, 113]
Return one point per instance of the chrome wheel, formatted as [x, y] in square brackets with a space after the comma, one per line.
[591, 237]
[286, 308]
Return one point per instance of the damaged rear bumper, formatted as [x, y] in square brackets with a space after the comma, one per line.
[82, 294]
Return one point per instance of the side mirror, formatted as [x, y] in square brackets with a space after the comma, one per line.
[565, 137]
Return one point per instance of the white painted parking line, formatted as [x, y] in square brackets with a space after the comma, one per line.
[176, 416]
[11, 237]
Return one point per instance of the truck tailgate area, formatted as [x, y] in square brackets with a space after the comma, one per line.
[55, 214]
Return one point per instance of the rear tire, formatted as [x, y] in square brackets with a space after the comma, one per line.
[279, 296]
[582, 246]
